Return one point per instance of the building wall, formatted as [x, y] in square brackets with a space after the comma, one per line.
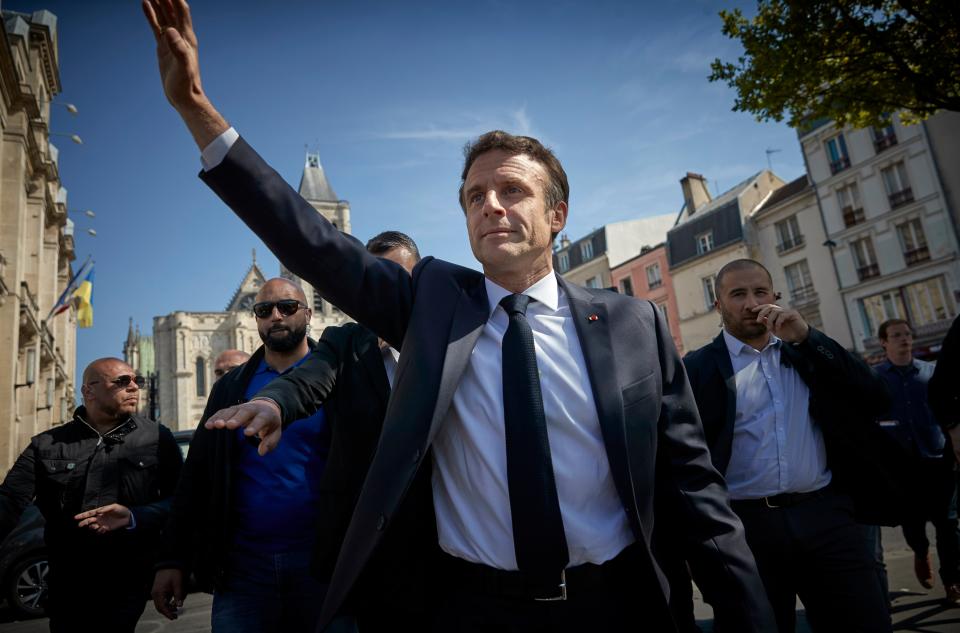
[596, 267]
[822, 304]
[943, 135]
[36, 243]
[663, 295]
[881, 215]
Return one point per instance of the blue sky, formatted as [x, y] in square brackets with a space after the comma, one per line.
[387, 92]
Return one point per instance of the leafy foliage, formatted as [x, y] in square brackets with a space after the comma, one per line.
[853, 62]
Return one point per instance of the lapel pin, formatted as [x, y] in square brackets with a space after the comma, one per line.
[592, 318]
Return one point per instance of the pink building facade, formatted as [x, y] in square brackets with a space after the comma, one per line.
[647, 276]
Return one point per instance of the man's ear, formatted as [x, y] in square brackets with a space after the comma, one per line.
[558, 217]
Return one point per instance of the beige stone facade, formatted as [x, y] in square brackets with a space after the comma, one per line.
[37, 353]
[185, 343]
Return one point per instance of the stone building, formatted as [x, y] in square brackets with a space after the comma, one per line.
[647, 276]
[709, 233]
[37, 353]
[886, 215]
[185, 343]
[138, 353]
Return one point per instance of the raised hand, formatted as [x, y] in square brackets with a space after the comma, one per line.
[786, 324]
[105, 518]
[258, 417]
[177, 55]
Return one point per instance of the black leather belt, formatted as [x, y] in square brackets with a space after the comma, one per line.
[783, 500]
[490, 581]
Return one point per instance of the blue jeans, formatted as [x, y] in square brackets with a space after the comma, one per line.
[266, 593]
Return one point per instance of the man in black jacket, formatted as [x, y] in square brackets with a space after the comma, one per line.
[103, 482]
[779, 403]
[243, 522]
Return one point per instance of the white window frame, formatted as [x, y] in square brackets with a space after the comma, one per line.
[586, 250]
[705, 242]
[709, 285]
[654, 280]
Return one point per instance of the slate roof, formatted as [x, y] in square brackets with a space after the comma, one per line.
[313, 183]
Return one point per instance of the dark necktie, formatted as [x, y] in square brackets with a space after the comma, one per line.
[538, 537]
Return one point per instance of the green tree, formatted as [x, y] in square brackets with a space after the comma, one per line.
[853, 62]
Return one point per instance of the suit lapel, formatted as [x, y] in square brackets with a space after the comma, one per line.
[469, 318]
[725, 367]
[372, 360]
[595, 343]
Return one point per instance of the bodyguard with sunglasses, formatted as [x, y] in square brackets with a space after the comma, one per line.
[244, 523]
[103, 481]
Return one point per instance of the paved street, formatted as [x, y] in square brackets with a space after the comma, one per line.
[915, 609]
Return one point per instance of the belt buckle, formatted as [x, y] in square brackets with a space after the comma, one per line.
[766, 500]
[563, 590]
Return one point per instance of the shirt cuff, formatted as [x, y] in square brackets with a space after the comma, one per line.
[214, 153]
[133, 521]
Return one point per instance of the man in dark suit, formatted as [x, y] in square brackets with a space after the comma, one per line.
[540, 501]
[775, 396]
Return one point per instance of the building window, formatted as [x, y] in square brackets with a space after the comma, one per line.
[848, 197]
[586, 250]
[704, 242]
[865, 258]
[928, 302]
[897, 184]
[913, 241]
[654, 280]
[563, 261]
[594, 282]
[883, 137]
[201, 369]
[878, 308]
[709, 291]
[626, 287]
[837, 154]
[788, 234]
[800, 283]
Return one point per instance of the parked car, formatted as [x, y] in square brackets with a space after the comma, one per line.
[23, 557]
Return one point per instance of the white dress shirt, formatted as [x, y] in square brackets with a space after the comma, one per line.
[470, 490]
[777, 447]
[470, 493]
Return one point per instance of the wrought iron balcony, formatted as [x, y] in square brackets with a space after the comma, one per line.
[902, 197]
[836, 166]
[804, 295]
[917, 255]
[656, 283]
[852, 217]
[790, 243]
[883, 142]
[868, 272]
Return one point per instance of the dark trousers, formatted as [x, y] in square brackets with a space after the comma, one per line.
[937, 502]
[815, 550]
[619, 602]
[86, 596]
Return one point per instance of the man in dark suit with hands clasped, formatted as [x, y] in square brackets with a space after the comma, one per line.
[530, 443]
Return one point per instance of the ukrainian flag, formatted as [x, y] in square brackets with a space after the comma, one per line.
[83, 296]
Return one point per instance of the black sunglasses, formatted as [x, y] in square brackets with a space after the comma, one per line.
[286, 307]
[124, 381]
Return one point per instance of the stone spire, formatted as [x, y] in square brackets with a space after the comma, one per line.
[314, 186]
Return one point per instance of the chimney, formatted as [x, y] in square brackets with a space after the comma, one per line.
[564, 240]
[695, 192]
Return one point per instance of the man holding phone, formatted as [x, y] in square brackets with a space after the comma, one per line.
[781, 405]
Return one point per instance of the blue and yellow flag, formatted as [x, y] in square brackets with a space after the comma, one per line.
[83, 296]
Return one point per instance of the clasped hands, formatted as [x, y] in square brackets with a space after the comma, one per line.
[260, 418]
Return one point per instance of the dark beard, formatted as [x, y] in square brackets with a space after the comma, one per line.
[284, 340]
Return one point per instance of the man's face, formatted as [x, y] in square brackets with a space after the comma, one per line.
[103, 394]
[508, 222]
[227, 361]
[740, 291]
[281, 333]
[898, 345]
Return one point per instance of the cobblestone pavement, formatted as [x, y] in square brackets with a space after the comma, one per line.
[915, 609]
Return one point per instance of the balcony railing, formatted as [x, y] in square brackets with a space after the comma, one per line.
[899, 198]
[883, 142]
[656, 283]
[839, 165]
[790, 243]
[917, 255]
[803, 295]
[868, 272]
[852, 217]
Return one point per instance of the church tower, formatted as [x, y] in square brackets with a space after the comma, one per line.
[316, 189]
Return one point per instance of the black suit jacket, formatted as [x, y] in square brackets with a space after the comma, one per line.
[846, 396]
[647, 413]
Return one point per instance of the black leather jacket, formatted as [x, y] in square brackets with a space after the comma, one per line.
[69, 469]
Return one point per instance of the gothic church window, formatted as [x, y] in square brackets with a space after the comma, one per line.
[201, 369]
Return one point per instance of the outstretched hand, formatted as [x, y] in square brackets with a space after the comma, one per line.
[105, 518]
[258, 417]
[179, 61]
